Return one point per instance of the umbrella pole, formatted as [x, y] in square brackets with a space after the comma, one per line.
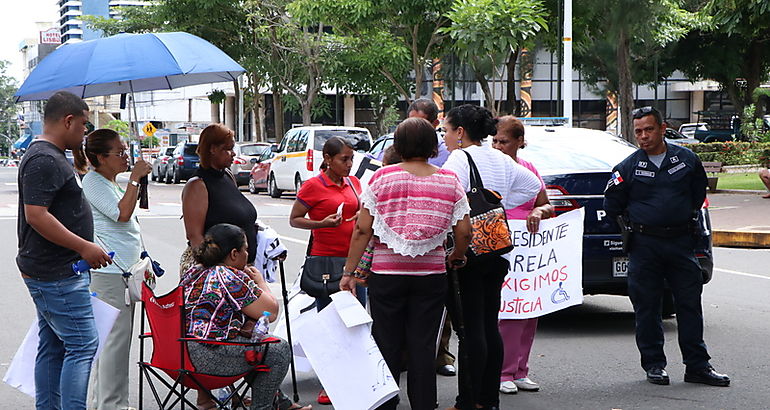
[144, 202]
[285, 296]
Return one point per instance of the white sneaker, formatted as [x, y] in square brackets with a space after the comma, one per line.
[526, 384]
[508, 387]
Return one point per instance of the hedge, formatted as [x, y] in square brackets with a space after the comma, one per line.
[733, 153]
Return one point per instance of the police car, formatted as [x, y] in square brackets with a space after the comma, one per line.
[576, 164]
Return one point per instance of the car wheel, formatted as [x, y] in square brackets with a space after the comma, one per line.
[297, 183]
[168, 176]
[161, 175]
[272, 188]
[252, 186]
[177, 176]
[667, 305]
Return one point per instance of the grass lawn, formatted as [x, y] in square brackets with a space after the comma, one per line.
[739, 181]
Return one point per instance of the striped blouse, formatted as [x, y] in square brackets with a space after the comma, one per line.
[412, 216]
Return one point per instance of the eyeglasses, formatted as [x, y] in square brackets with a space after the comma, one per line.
[117, 154]
[642, 111]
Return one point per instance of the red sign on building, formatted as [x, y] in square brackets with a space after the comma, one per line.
[50, 36]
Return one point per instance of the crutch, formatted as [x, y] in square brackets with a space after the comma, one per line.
[285, 295]
[459, 324]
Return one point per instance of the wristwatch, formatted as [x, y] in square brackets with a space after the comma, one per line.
[347, 273]
[134, 183]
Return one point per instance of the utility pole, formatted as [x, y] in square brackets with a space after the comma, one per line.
[567, 82]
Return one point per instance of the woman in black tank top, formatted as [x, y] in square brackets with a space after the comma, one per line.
[212, 197]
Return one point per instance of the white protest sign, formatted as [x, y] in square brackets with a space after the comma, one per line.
[546, 272]
[21, 372]
[346, 359]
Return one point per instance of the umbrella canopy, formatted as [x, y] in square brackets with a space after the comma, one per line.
[128, 63]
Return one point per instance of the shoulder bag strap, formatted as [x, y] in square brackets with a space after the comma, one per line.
[353, 188]
[475, 177]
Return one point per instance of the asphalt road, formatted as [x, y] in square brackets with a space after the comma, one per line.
[584, 357]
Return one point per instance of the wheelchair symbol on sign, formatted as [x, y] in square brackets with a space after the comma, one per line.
[559, 295]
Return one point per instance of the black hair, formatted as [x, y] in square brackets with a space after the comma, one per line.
[62, 104]
[426, 106]
[415, 138]
[99, 142]
[390, 156]
[477, 121]
[642, 112]
[219, 240]
[333, 146]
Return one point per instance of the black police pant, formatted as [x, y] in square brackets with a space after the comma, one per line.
[406, 313]
[653, 259]
[481, 351]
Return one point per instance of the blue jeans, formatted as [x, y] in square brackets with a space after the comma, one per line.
[68, 341]
[323, 302]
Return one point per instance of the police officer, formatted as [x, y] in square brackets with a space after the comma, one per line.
[659, 190]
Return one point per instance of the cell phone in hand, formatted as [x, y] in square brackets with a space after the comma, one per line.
[339, 208]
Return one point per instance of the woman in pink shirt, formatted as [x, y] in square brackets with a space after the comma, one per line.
[410, 207]
[519, 334]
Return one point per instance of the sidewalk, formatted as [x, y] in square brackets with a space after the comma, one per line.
[740, 219]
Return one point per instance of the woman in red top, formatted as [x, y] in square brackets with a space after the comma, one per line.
[317, 206]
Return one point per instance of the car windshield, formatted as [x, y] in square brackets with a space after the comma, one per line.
[169, 151]
[253, 150]
[567, 150]
[189, 149]
[358, 138]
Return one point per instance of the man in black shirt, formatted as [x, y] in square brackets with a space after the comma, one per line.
[659, 190]
[55, 229]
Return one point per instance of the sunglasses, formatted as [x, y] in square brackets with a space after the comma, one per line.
[642, 111]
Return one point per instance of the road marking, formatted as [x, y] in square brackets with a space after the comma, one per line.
[170, 203]
[288, 239]
[735, 272]
[719, 208]
[12, 183]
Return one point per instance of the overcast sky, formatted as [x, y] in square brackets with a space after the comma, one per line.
[18, 23]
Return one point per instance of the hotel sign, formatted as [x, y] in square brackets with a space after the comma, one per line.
[50, 36]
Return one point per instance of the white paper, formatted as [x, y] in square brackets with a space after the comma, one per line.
[346, 360]
[549, 276]
[350, 310]
[339, 208]
[21, 372]
[298, 302]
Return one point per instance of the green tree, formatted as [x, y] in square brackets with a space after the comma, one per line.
[616, 45]
[734, 50]
[407, 31]
[121, 127]
[8, 108]
[487, 34]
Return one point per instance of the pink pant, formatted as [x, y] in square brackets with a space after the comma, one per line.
[518, 336]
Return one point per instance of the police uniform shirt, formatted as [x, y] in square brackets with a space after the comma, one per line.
[664, 196]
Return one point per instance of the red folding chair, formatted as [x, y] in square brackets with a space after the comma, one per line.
[165, 315]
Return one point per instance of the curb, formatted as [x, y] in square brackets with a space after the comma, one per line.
[741, 239]
[738, 191]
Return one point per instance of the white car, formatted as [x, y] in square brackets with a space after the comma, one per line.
[688, 130]
[299, 156]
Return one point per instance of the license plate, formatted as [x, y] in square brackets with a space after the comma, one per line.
[195, 165]
[620, 267]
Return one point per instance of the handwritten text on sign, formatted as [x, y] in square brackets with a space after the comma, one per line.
[546, 270]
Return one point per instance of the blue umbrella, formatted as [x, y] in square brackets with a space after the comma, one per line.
[128, 63]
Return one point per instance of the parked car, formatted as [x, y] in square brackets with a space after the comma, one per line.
[380, 145]
[675, 137]
[721, 126]
[160, 163]
[689, 129]
[299, 156]
[246, 154]
[260, 172]
[183, 162]
[576, 165]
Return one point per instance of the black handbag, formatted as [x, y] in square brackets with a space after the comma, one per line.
[491, 235]
[321, 275]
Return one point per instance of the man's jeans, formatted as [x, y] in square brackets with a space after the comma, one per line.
[68, 341]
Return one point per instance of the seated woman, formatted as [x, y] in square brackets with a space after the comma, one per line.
[221, 295]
